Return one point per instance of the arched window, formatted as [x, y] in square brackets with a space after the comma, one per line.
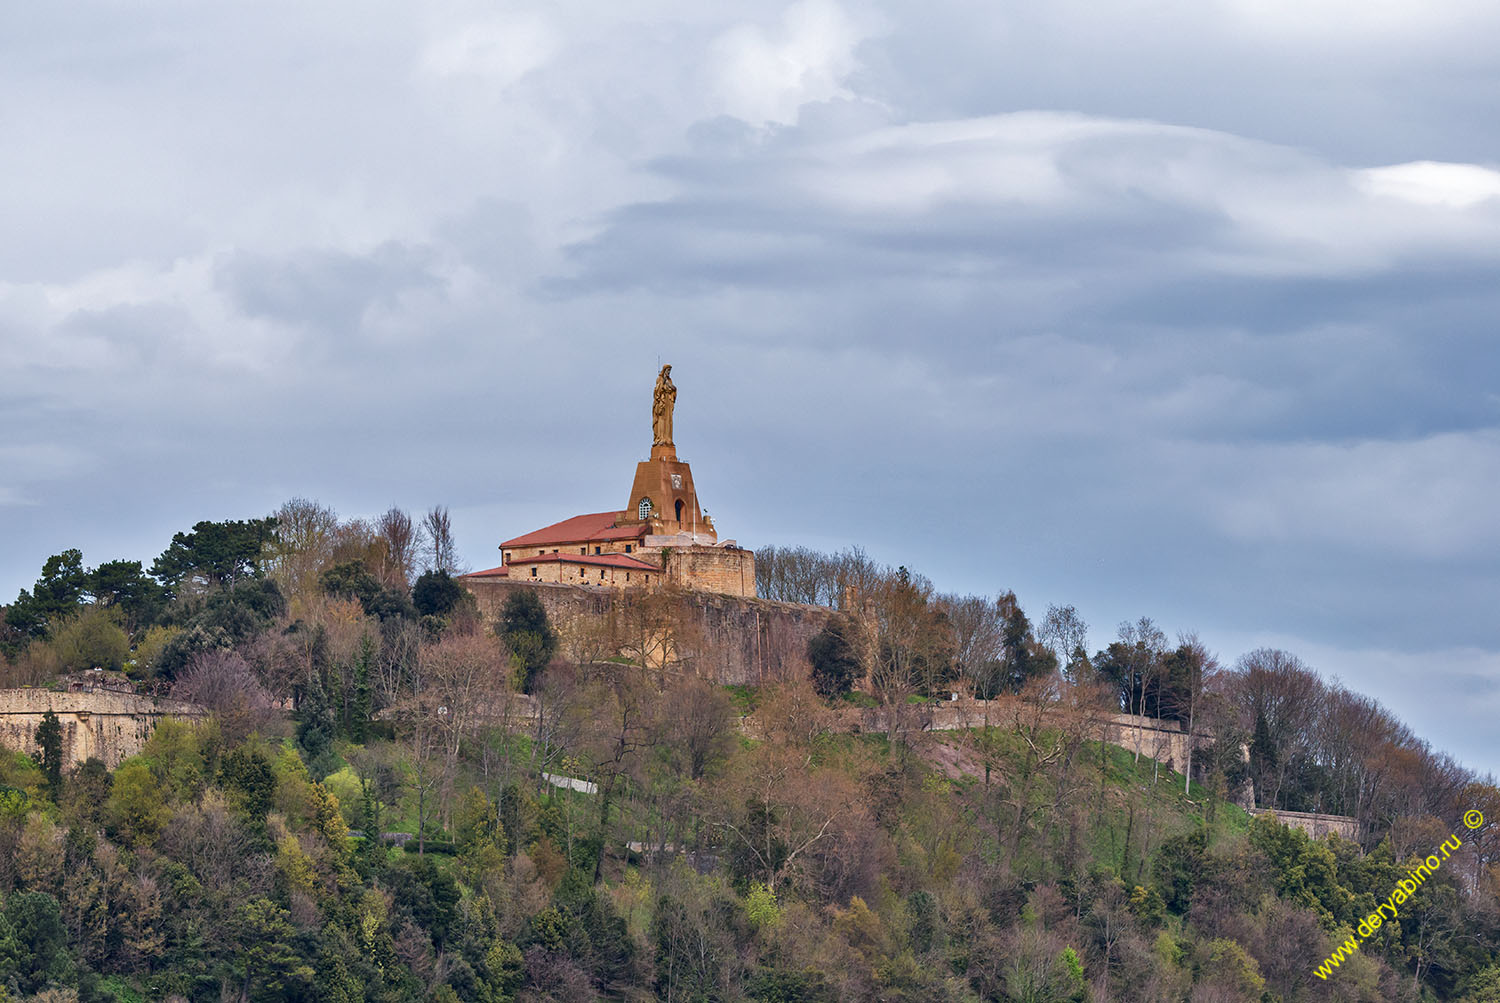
[679, 510]
[643, 510]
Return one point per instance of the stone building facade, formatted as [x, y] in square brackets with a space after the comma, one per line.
[661, 537]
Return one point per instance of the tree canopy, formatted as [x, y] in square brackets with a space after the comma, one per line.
[214, 555]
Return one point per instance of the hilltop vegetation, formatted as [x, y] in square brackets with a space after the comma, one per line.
[364, 815]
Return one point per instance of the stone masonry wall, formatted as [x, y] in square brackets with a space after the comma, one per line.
[560, 572]
[103, 725]
[1163, 741]
[727, 570]
[732, 640]
[737, 640]
[1313, 823]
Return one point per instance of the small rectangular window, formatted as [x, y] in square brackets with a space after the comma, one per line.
[507, 557]
[627, 576]
[598, 550]
[583, 550]
[627, 548]
[533, 572]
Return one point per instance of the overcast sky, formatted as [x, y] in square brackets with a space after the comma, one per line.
[1185, 310]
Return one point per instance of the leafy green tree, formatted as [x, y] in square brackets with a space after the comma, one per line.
[33, 942]
[220, 622]
[266, 955]
[85, 796]
[136, 808]
[527, 635]
[49, 741]
[246, 607]
[350, 580]
[250, 780]
[55, 596]
[505, 969]
[360, 706]
[1306, 872]
[1178, 867]
[91, 639]
[315, 723]
[778, 985]
[353, 580]
[336, 984]
[1173, 691]
[1484, 986]
[1025, 659]
[125, 586]
[1117, 666]
[475, 822]
[391, 605]
[215, 555]
[436, 593]
[835, 663]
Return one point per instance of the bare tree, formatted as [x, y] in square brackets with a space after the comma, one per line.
[1280, 699]
[464, 679]
[1066, 634]
[778, 808]
[1200, 664]
[397, 668]
[400, 540]
[429, 773]
[1145, 643]
[357, 541]
[978, 640]
[441, 553]
[558, 720]
[224, 683]
[625, 707]
[697, 732]
[305, 533]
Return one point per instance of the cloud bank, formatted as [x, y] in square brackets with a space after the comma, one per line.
[1199, 326]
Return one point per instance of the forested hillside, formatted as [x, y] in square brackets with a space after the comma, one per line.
[395, 800]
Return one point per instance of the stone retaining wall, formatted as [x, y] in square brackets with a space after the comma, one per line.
[103, 725]
[1313, 823]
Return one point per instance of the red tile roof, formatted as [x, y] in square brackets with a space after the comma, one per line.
[499, 572]
[596, 526]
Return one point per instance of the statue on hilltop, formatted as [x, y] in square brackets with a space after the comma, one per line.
[662, 404]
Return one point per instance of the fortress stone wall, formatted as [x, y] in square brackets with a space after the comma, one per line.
[726, 570]
[1164, 741]
[730, 639]
[100, 724]
[1314, 824]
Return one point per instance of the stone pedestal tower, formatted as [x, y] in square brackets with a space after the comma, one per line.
[662, 496]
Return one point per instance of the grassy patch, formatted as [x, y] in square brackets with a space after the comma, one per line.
[116, 987]
[743, 698]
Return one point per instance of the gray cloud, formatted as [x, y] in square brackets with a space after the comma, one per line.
[1197, 324]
